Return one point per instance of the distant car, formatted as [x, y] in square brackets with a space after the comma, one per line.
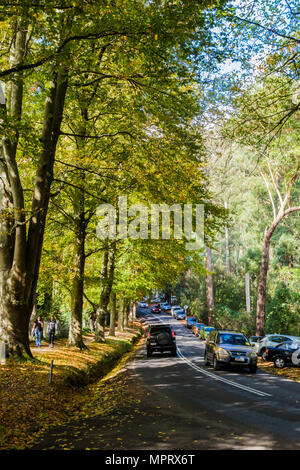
[190, 321]
[174, 308]
[196, 328]
[143, 305]
[156, 309]
[161, 338]
[180, 315]
[229, 348]
[254, 341]
[271, 341]
[205, 331]
[166, 307]
[285, 354]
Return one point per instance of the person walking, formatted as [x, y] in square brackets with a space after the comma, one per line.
[37, 331]
[51, 330]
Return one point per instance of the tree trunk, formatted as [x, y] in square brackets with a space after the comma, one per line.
[75, 330]
[126, 314]
[209, 288]
[20, 274]
[113, 314]
[106, 281]
[264, 266]
[121, 315]
[227, 250]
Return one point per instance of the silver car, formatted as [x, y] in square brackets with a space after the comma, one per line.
[272, 341]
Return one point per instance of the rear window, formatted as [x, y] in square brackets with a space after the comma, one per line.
[160, 329]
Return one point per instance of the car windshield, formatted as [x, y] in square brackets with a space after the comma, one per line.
[229, 338]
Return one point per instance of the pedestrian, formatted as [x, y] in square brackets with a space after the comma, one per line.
[51, 330]
[37, 331]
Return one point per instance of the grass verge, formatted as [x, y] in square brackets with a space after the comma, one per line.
[29, 405]
[292, 373]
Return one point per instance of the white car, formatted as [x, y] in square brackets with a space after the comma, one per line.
[143, 305]
[272, 341]
[174, 308]
[254, 341]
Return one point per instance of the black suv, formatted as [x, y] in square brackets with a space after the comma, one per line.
[161, 338]
[229, 348]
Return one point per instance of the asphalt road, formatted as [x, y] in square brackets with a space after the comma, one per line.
[176, 403]
[262, 410]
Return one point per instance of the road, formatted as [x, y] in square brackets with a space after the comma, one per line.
[178, 403]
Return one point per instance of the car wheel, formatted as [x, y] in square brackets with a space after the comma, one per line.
[253, 369]
[264, 355]
[279, 362]
[206, 361]
[216, 364]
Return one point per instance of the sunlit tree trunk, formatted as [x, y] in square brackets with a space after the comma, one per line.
[113, 313]
[106, 281]
[209, 288]
[75, 330]
[121, 314]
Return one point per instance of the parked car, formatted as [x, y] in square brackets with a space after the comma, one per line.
[143, 305]
[254, 341]
[205, 331]
[271, 341]
[196, 328]
[180, 315]
[190, 321]
[283, 354]
[156, 309]
[161, 338]
[166, 306]
[174, 308]
[224, 348]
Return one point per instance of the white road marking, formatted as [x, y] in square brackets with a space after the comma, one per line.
[215, 376]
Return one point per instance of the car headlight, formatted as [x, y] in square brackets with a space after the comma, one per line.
[223, 353]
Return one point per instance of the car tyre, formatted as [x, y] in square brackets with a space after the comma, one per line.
[216, 363]
[206, 361]
[253, 369]
[279, 362]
